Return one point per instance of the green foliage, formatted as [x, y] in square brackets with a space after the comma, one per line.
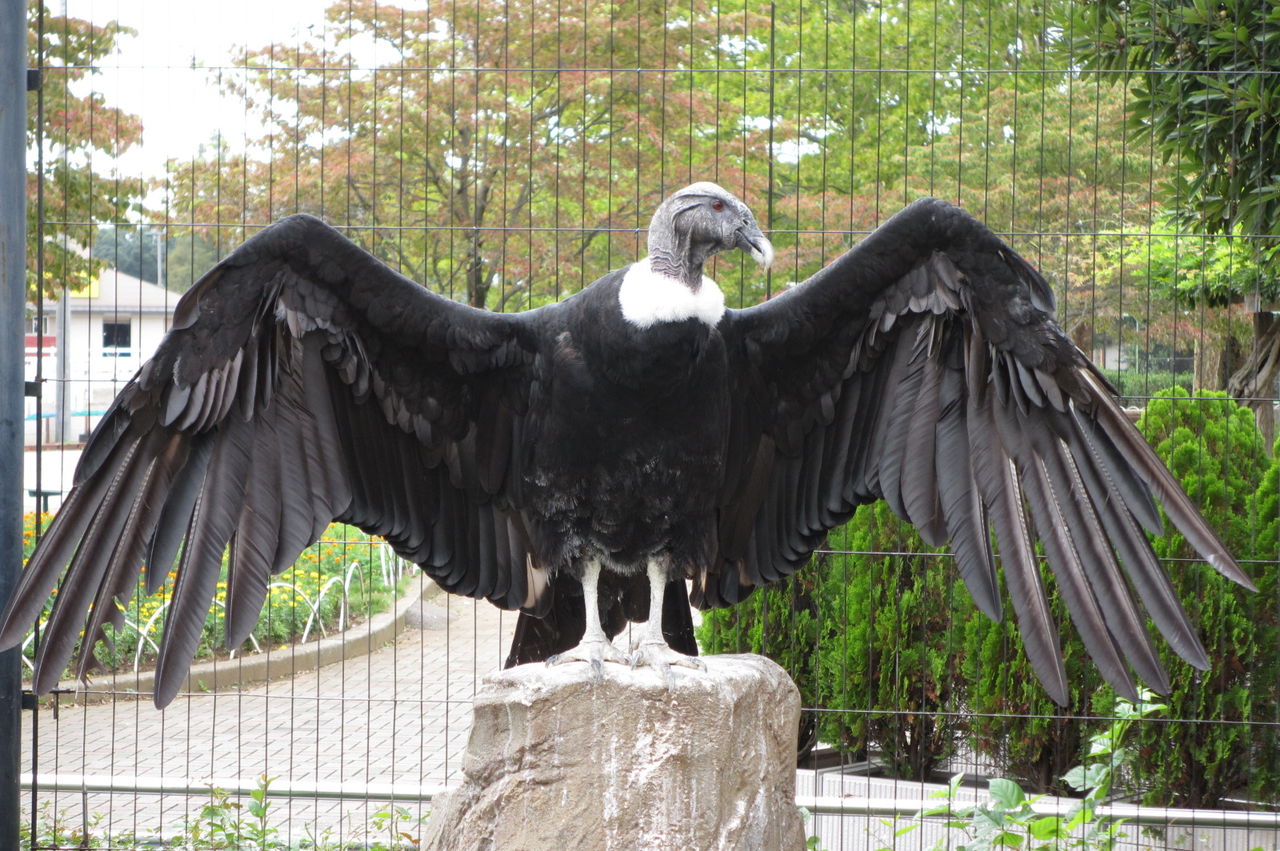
[1266, 575]
[780, 622]
[520, 174]
[185, 254]
[1014, 722]
[512, 189]
[1267, 510]
[893, 641]
[1136, 386]
[79, 130]
[61, 831]
[1215, 450]
[332, 582]
[1190, 269]
[132, 250]
[1205, 87]
[890, 645]
[858, 631]
[1009, 819]
[227, 823]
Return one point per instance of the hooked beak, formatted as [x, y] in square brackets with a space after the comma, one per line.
[752, 241]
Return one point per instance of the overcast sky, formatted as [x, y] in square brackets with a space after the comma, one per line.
[152, 75]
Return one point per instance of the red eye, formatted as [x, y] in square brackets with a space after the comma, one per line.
[717, 205]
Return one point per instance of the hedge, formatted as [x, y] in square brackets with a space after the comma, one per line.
[899, 661]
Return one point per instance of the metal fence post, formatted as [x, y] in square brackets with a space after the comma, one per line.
[13, 221]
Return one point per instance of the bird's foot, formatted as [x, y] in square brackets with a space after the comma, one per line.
[594, 651]
[659, 656]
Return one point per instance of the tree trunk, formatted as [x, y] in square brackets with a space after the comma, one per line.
[1254, 383]
[1216, 362]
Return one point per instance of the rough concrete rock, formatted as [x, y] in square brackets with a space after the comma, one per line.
[559, 760]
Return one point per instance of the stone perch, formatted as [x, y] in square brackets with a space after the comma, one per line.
[559, 760]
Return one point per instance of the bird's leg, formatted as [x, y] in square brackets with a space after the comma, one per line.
[595, 647]
[653, 649]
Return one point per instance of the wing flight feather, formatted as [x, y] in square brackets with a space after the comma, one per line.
[303, 382]
[958, 400]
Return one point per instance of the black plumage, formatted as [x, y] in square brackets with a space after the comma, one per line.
[581, 461]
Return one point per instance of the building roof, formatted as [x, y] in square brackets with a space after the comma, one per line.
[114, 292]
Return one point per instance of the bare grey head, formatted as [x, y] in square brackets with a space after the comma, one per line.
[697, 222]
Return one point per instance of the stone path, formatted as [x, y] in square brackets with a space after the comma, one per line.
[400, 716]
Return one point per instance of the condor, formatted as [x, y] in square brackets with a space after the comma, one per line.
[583, 461]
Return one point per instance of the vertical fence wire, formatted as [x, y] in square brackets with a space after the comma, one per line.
[506, 153]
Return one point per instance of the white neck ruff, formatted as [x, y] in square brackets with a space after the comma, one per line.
[647, 297]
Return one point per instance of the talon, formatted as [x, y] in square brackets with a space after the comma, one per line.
[594, 652]
[656, 654]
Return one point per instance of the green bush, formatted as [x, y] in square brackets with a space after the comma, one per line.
[1136, 386]
[1015, 724]
[883, 638]
[305, 599]
[1213, 447]
[870, 637]
[1267, 510]
[1266, 575]
[780, 622]
[889, 646]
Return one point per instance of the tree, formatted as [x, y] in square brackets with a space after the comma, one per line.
[175, 261]
[1195, 281]
[75, 191]
[881, 102]
[1205, 81]
[133, 250]
[507, 154]
[503, 153]
[187, 255]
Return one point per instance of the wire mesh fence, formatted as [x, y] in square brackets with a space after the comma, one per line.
[507, 153]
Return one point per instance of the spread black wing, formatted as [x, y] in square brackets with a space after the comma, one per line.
[303, 382]
[924, 367]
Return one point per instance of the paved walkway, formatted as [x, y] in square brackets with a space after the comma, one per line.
[399, 716]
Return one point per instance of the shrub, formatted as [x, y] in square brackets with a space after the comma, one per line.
[1015, 723]
[868, 636]
[778, 621]
[306, 599]
[889, 646]
[1136, 386]
[1213, 447]
[1266, 575]
[897, 646]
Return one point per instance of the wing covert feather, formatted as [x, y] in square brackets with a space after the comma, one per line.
[929, 359]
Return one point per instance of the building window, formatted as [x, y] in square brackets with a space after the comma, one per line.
[116, 335]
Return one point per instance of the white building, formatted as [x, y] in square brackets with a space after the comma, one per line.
[111, 329]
